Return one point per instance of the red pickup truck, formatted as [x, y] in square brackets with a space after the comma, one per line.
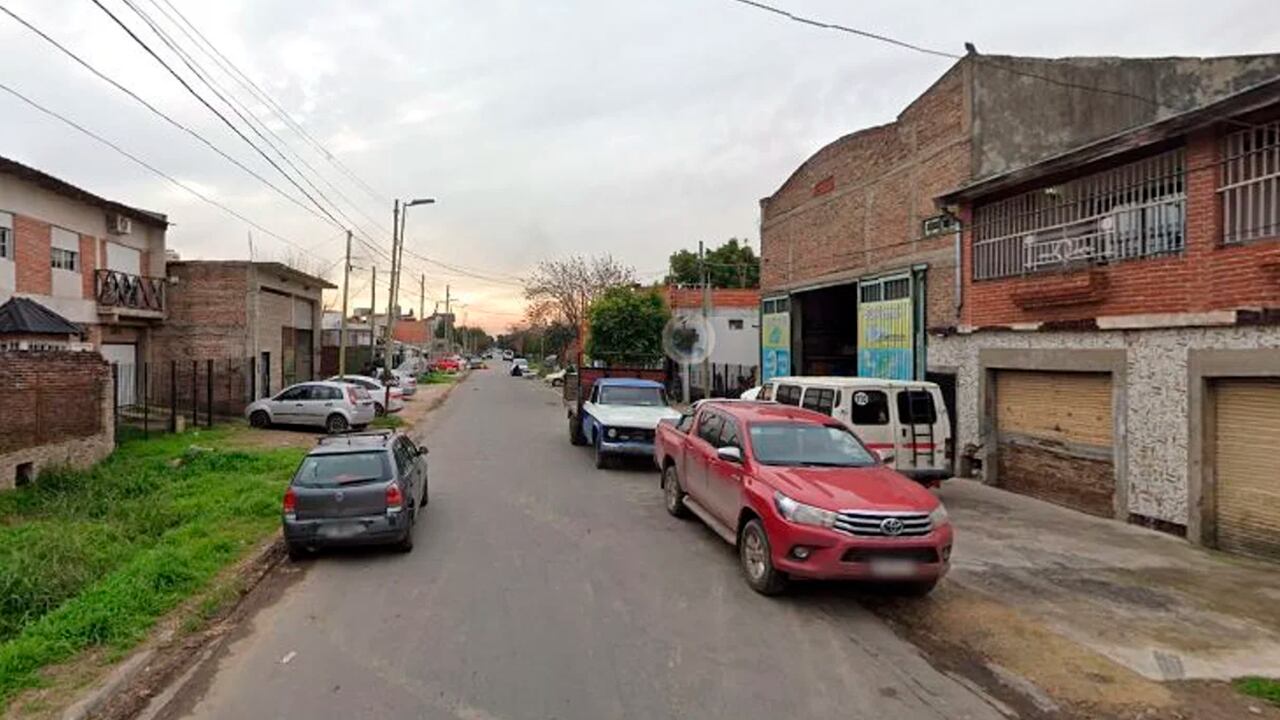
[800, 496]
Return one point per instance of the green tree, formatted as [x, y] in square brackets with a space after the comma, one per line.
[625, 326]
[732, 265]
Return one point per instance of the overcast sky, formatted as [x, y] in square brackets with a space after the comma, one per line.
[544, 127]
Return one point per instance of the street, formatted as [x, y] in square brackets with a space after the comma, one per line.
[543, 588]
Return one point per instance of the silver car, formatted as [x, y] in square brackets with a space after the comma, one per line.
[336, 407]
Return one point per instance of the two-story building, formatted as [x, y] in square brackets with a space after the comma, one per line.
[1118, 337]
[93, 261]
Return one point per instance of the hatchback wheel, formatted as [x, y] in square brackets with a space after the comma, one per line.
[260, 419]
[296, 552]
[757, 560]
[336, 424]
[406, 543]
[378, 410]
[673, 493]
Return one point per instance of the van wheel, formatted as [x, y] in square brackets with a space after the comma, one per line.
[673, 493]
[260, 419]
[335, 424]
[756, 558]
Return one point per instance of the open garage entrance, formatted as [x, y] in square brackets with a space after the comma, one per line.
[827, 341]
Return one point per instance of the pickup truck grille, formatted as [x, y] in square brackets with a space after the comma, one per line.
[634, 435]
[882, 524]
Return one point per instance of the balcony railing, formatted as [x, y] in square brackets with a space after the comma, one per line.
[122, 291]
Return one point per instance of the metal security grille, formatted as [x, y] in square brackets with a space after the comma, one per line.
[1131, 211]
[1250, 186]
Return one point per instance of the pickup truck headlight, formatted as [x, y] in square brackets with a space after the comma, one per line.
[611, 433]
[801, 514]
[938, 517]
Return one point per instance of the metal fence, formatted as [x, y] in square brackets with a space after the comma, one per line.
[727, 380]
[158, 396]
[1135, 210]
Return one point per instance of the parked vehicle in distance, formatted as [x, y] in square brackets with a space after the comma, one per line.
[356, 489]
[801, 497]
[336, 407]
[519, 366]
[476, 363]
[446, 365]
[403, 379]
[508, 355]
[904, 421]
[383, 401]
[556, 379]
[750, 393]
[619, 416]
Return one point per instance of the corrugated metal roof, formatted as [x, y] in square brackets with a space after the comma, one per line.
[23, 316]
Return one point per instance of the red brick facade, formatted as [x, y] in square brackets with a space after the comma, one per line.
[32, 241]
[88, 263]
[1209, 276]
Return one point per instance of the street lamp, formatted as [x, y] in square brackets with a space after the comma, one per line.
[401, 214]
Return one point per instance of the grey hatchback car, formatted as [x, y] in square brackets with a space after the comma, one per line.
[356, 489]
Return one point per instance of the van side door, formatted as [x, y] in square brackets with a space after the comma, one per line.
[917, 441]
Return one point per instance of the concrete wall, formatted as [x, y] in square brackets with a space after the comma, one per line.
[55, 409]
[1157, 421]
[739, 347]
[1019, 119]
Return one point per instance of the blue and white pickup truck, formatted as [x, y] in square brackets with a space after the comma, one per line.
[618, 417]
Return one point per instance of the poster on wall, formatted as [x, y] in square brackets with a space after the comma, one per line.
[885, 339]
[775, 345]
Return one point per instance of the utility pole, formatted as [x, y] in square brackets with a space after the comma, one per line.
[391, 290]
[706, 321]
[448, 322]
[422, 296]
[342, 324]
[373, 312]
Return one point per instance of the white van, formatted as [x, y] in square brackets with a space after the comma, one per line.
[903, 420]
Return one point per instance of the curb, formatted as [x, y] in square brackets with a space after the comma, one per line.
[120, 677]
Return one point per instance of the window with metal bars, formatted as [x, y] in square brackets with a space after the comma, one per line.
[1131, 211]
[1249, 185]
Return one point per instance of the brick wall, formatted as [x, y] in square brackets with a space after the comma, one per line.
[207, 313]
[1207, 277]
[33, 272]
[55, 408]
[88, 263]
[856, 207]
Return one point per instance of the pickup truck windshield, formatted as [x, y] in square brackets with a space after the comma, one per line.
[794, 444]
[342, 469]
[650, 396]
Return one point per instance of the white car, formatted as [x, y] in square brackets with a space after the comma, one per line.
[336, 407]
[750, 394]
[556, 379]
[383, 403]
[519, 367]
[405, 380]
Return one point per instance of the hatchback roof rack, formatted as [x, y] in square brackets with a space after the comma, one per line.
[383, 433]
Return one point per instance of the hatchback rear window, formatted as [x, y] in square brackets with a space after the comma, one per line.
[330, 470]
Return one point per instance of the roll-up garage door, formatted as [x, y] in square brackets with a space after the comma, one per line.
[1055, 436]
[1247, 477]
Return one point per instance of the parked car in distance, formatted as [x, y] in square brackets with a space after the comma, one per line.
[475, 363]
[446, 365]
[619, 417]
[508, 355]
[519, 366]
[556, 379]
[904, 421]
[801, 497]
[356, 489]
[336, 407]
[403, 379]
[383, 402]
[750, 393]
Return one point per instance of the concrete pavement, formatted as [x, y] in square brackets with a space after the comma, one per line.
[543, 588]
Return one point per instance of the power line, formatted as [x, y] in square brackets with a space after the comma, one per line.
[943, 53]
[281, 112]
[214, 110]
[148, 166]
[159, 113]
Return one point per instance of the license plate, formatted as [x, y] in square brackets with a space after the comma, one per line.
[893, 568]
[341, 530]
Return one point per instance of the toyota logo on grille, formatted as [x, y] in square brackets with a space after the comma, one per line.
[891, 526]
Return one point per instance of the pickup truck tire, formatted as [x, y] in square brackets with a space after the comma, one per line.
[602, 458]
[575, 432]
[673, 493]
[756, 558]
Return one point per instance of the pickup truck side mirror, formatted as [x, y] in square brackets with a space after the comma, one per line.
[729, 454]
[422, 449]
[887, 457]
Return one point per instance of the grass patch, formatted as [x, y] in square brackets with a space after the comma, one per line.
[437, 378]
[91, 558]
[1264, 688]
[387, 422]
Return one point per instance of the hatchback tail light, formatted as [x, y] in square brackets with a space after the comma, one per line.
[290, 502]
[352, 396]
[395, 499]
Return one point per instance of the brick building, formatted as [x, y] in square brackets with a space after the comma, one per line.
[858, 260]
[96, 262]
[1118, 336]
[265, 312]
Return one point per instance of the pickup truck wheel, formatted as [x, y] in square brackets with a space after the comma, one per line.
[602, 458]
[260, 419]
[757, 560]
[673, 493]
[575, 432]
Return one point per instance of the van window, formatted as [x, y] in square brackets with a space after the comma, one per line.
[789, 394]
[766, 392]
[915, 407]
[822, 400]
[869, 407]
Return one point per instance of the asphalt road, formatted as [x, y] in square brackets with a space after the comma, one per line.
[541, 587]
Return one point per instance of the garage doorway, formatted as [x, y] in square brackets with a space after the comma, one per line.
[1246, 433]
[828, 337]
